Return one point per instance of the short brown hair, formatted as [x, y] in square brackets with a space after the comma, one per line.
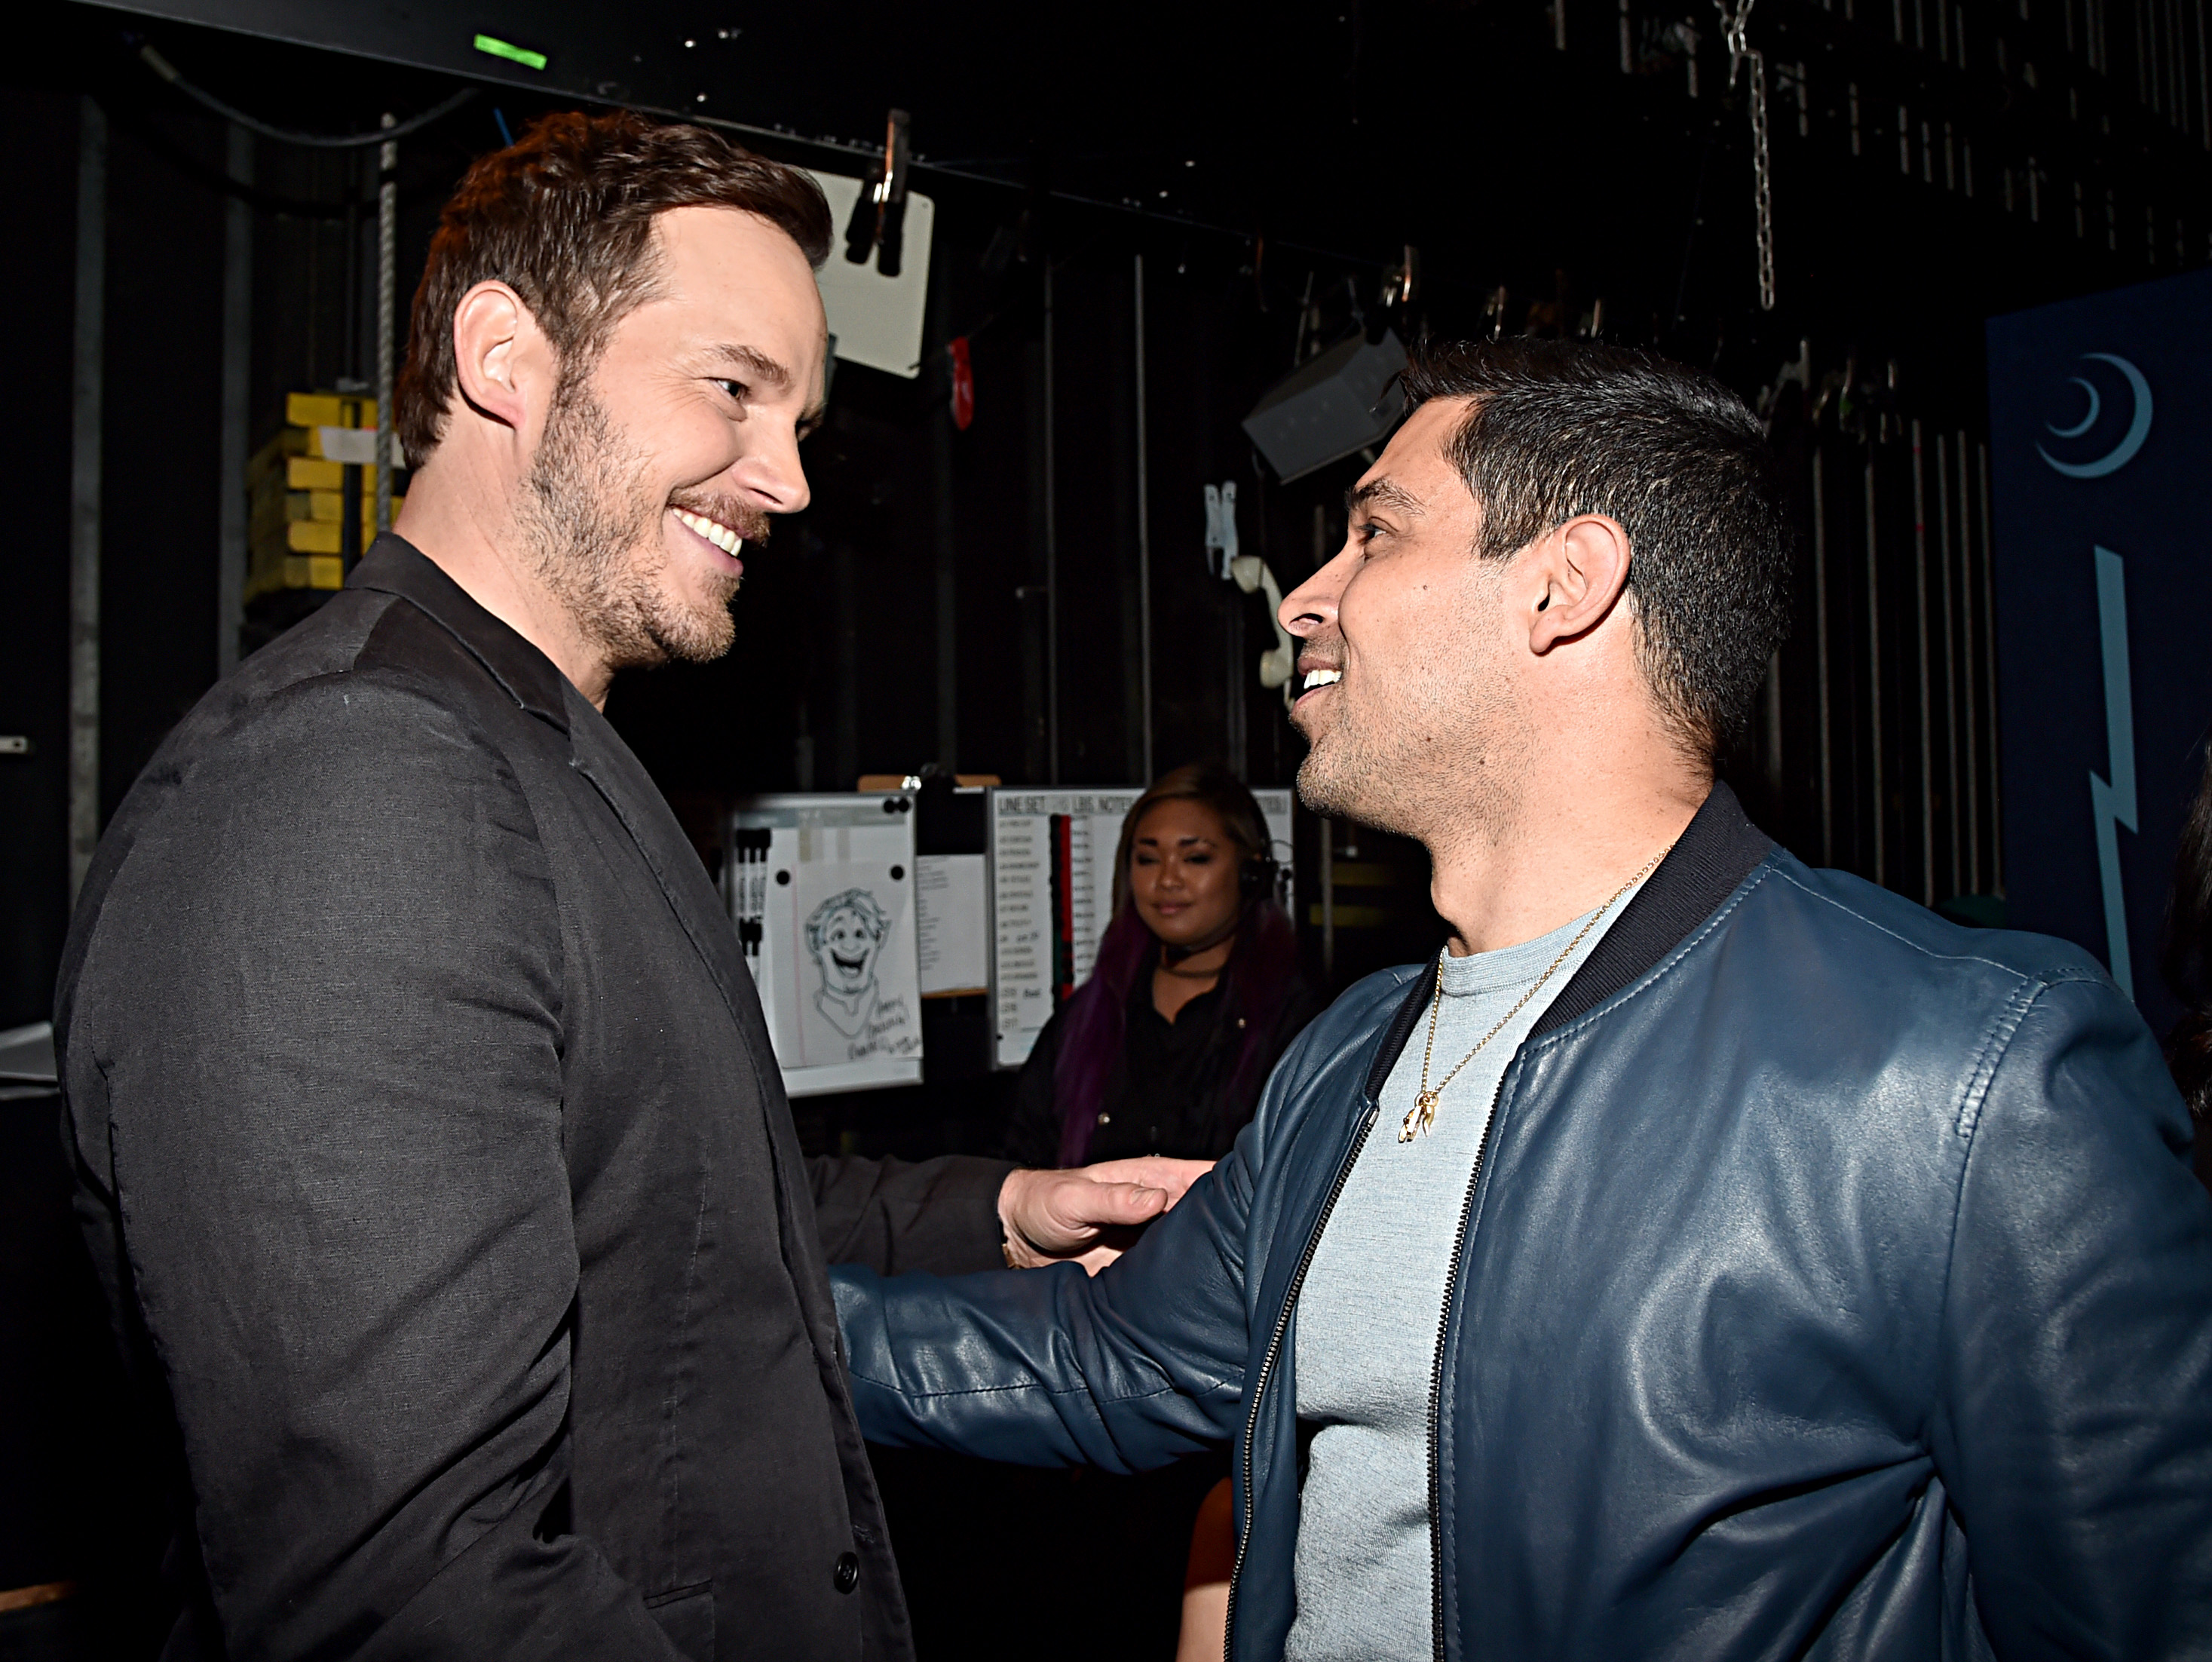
[1555, 429]
[564, 217]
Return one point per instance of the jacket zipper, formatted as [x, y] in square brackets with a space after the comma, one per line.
[1437, 1379]
[1267, 1370]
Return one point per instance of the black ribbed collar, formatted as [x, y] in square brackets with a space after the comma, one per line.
[395, 566]
[1716, 852]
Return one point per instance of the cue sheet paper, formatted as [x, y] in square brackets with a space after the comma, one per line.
[1052, 895]
[952, 923]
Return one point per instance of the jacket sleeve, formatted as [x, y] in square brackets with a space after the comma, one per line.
[1125, 1370]
[2073, 1429]
[941, 1215]
[315, 1061]
[1033, 1128]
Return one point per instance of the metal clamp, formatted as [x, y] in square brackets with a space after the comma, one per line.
[1221, 527]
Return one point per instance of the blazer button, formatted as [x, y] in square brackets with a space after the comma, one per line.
[849, 1571]
[1105, 1119]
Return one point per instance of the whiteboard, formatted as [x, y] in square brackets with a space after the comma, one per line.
[822, 890]
[1025, 943]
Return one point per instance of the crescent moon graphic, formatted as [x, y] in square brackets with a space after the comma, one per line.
[2096, 409]
[2138, 429]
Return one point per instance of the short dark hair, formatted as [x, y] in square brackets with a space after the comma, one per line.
[1561, 427]
[564, 217]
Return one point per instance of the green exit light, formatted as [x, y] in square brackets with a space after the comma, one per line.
[513, 54]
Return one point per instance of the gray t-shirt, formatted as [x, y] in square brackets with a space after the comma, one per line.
[1368, 1318]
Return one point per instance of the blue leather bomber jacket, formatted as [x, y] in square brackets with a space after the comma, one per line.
[1832, 1283]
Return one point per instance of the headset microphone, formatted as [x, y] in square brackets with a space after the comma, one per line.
[1257, 878]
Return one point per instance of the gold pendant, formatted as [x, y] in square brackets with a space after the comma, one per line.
[1420, 1117]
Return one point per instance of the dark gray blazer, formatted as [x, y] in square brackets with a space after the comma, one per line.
[431, 1149]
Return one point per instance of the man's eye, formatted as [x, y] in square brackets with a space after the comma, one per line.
[735, 389]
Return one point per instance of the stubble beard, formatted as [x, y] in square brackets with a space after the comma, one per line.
[1345, 776]
[1430, 770]
[594, 521]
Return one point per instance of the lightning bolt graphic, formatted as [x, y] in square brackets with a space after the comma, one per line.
[2113, 804]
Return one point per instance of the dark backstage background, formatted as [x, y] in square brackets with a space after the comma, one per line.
[1146, 218]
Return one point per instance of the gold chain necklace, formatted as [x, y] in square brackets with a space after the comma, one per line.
[1423, 1114]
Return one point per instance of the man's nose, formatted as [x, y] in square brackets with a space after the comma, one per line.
[771, 475]
[1311, 607]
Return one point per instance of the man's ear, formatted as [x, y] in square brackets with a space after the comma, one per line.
[502, 359]
[1578, 575]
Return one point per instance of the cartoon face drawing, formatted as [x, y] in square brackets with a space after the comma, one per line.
[846, 935]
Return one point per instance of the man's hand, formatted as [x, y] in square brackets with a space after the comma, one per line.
[1088, 1215]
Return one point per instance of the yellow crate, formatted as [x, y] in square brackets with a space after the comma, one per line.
[265, 514]
[313, 537]
[328, 507]
[323, 507]
[274, 569]
[320, 536]
[329, 410]
[268, 463]
[319, 474]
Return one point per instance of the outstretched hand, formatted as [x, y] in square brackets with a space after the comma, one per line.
[1089, 1214]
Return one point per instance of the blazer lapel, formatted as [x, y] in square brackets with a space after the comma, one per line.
[598, 752]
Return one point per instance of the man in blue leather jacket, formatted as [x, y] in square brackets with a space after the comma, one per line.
[1707, 1257]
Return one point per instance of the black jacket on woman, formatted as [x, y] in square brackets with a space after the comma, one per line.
[1170, 1089]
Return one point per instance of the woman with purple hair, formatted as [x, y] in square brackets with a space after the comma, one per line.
[1196, 993]
[1163, 1050]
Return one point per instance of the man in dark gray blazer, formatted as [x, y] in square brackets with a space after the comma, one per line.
[428, 1136]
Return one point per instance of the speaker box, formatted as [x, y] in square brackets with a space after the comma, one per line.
[1341, 401]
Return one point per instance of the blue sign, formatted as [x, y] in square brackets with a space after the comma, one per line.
[2099, 442]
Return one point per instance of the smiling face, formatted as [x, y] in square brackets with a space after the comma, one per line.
[681, 441]
[847, 952]
[1406, 665]
[1183, 872]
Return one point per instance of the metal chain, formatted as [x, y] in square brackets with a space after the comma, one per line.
[1762, 180]
[387, 274]
[1733, 26]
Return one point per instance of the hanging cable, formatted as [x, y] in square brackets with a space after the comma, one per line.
[162, 67]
